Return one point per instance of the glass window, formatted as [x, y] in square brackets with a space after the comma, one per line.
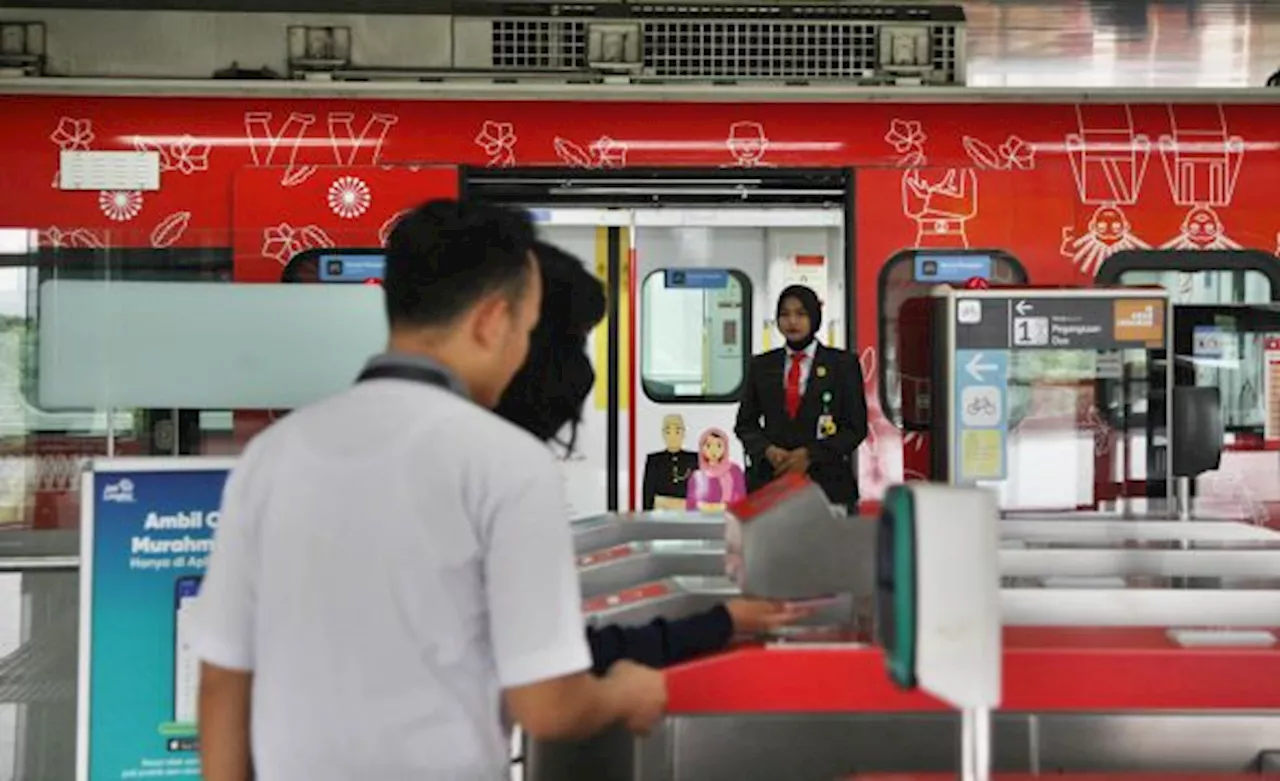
[1233, 348]
[1205, 286]
[694, 339]
[909, 275]
[42, 451]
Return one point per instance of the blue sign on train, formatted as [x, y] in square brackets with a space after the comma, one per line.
[351, 268]
[931, 268]
[697, 278]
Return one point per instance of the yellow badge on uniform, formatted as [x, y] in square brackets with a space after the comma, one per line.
[821, 371]
[826, 426]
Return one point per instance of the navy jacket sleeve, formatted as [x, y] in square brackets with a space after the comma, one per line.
[660, 643]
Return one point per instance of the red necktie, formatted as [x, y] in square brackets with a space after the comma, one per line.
[793, 384]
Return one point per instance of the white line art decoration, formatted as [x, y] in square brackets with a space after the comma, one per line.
[1013, 154]
[1109, 161]
[1201, 164]
[349, 197]
[279, 144]
[941, 202]
[747, 143]
[54, 237]
[604, 152]
[347, 146]
[169, 231]
[907, 138]
[498, 140]
[269, 145]
[187, 155]
[384, 232]
[73, 134]
[120, 205]
[281, 242]
[941, 206]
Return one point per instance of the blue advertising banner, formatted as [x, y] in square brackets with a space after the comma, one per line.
[147, 530]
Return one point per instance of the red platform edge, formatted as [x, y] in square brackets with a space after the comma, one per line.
[1044, 670]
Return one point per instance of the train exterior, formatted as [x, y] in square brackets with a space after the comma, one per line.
[1047, 188]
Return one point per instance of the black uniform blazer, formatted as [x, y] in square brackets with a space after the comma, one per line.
[835, 388]
[667, 474]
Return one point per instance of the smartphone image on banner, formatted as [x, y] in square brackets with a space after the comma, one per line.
[186, 667]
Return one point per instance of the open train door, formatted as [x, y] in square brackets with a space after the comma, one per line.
[692, 261]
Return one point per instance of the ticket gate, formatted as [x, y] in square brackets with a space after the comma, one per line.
[1135, 639]
[605, 532]
[617, 569]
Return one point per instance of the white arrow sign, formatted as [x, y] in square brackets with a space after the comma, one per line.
[976, 367]
[1022, 307]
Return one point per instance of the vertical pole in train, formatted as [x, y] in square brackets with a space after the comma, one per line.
[633, 304]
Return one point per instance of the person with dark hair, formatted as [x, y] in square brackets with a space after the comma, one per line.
[393, 570]
[803, 408]
[546, 398]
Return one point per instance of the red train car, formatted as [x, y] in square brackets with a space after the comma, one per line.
[1057, 189]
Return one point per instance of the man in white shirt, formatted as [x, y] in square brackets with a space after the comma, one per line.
[393, 568]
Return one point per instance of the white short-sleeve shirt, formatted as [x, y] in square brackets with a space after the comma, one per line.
[388, 560]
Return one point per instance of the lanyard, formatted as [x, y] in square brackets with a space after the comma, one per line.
[399, 371]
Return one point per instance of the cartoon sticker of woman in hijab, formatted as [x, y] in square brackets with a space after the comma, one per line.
[718, 480]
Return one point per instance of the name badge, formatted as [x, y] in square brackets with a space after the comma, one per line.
[826, 426]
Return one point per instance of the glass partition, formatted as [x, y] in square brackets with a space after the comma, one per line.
[1235, 349]
[43, 449]
[1084, 426]
[1055, 399]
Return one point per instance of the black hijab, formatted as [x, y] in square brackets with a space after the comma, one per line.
[555, 380]
[812, 306]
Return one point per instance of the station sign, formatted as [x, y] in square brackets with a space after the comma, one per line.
[696, 278]
[352, 268]
[1081, 323]
[932, 268]
[981, 414]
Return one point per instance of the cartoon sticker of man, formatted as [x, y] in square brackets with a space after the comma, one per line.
[666, 472]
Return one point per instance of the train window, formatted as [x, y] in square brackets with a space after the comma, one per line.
[1206, 286]
[910, 274]
[1198, 276]
[694, 343]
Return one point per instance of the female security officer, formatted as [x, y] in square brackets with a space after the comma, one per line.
[803, 408]
[546, 397]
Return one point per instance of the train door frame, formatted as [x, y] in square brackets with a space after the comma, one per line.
[688, 188]
[1113, 269]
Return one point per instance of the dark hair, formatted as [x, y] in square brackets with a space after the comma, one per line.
[553, 384]
[444, 256]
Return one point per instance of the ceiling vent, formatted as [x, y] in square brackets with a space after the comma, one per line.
[719, 43]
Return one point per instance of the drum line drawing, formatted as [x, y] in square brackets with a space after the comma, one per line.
[1202, 163]
[1109, 163]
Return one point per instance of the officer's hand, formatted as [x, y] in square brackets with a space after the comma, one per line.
[775, 455]
[796, 462]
